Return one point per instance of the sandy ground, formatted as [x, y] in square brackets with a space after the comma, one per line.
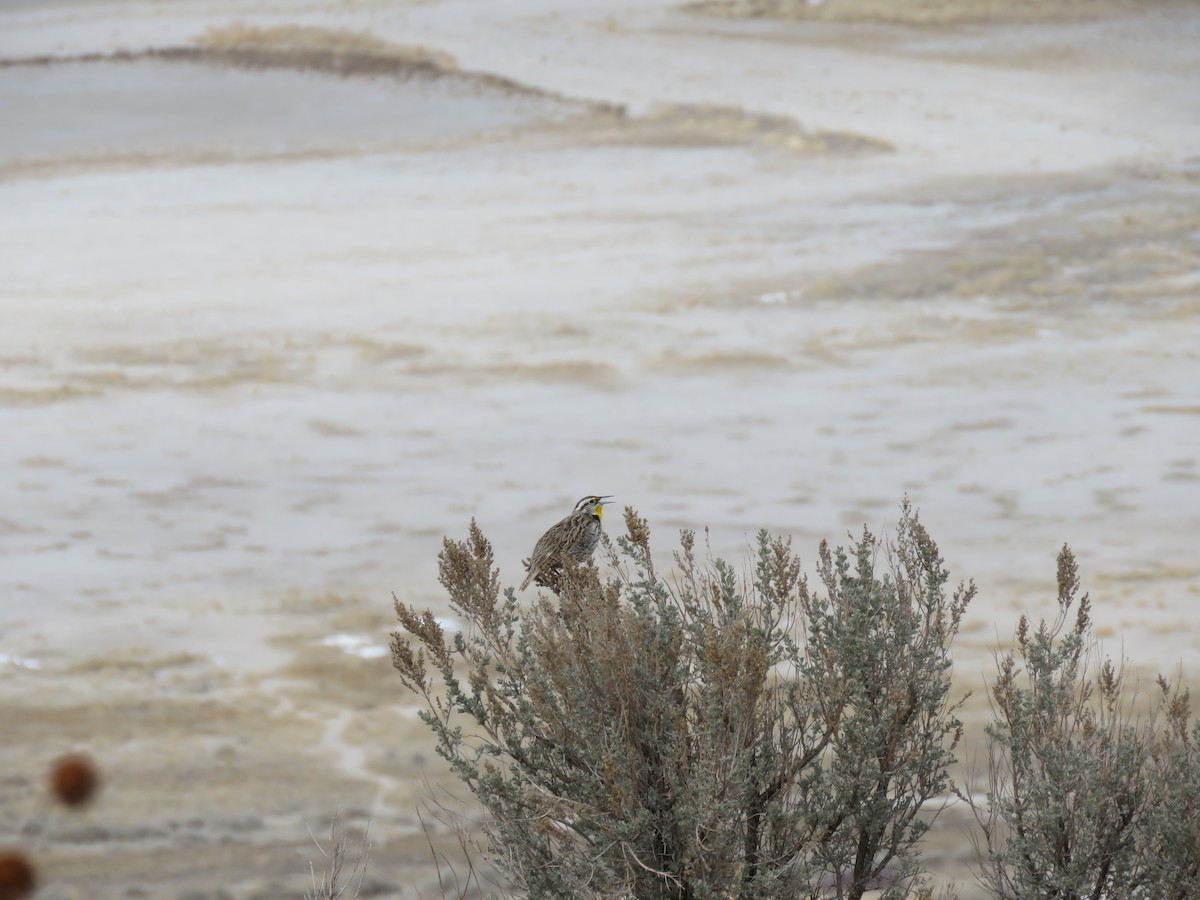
[291, 291]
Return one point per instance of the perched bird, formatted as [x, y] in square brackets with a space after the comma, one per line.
[574, 538]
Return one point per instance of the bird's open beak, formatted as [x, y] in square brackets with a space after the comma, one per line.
[604, 500]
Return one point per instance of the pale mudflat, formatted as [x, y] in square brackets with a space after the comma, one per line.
[290, 293]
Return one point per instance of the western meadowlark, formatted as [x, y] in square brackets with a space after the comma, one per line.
[574, 538]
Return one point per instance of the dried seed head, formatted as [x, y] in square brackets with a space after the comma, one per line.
[73, 779]
[18, 878]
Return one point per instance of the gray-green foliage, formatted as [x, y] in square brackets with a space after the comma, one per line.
[698, 736]
[1086, 799]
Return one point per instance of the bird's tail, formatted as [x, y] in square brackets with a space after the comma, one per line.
[528, 578]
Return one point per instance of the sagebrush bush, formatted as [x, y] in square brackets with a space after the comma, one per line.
[703, 735]
[1086, 798]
